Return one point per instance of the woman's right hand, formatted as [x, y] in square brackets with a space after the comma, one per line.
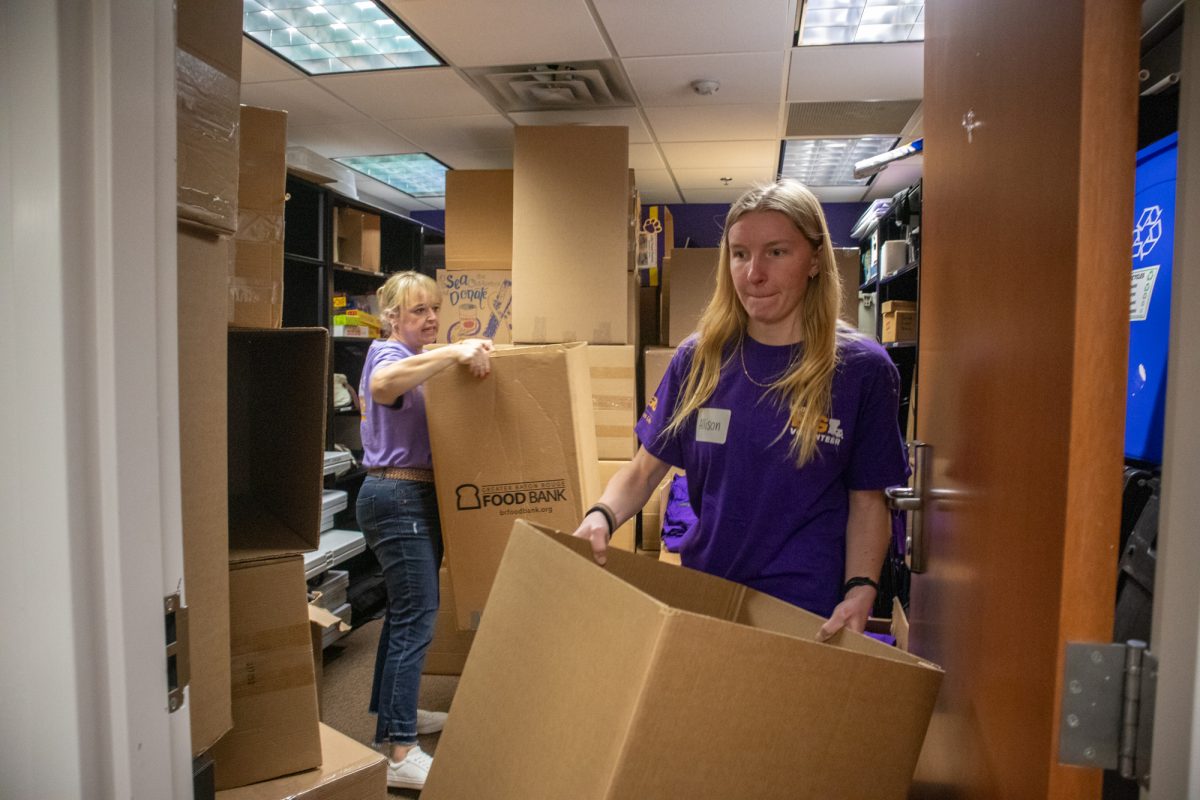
[594, 528]
[475, 354]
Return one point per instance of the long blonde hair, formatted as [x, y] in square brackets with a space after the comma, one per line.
[805, 387]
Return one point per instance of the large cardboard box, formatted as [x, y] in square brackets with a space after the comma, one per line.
[689, 280]
[278, 380]
[204, 480]
[447, 653]
[357, 238]
[208, 71]
[275, 715]
[520, 442]
[613, 370]
[256, 271]
[348, 771]
[655, 361]
[475, 303]
[479, 219]
[644, 680]
[570, 234]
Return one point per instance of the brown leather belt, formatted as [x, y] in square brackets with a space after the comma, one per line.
[402, 474]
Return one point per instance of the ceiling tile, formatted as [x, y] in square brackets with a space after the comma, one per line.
[305, 102]
[409, 93]
[744, 77]
[492, 132]
[474, 33]
[713, 195]
[645, 156]
[698, 155]
[259, 64]
[476, 159]
[857, 72]
[629, 117]
[656, 186]
[681, 27]
[715, 123]
[742, 177]
[351, 139]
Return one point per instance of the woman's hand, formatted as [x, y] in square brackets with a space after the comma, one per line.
[594, 528]
[851, 613]
[475, 354]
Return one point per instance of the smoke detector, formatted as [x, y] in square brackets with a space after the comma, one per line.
[706, 86]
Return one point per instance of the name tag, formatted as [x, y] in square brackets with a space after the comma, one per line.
[712, 425]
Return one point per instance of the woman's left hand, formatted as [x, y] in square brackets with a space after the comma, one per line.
[851, 613]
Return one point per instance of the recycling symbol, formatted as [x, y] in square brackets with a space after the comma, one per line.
[1147, 231]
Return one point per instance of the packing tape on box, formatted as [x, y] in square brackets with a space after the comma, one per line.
[613, 402]
[613, 373]
[253, 290]
[207, 142]
[259, 227]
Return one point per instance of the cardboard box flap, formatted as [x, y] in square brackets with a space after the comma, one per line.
[689, 698]
[278, 380]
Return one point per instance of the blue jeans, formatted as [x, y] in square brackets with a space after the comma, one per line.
[400, 522]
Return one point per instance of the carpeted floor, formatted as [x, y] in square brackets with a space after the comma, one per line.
[346, 690]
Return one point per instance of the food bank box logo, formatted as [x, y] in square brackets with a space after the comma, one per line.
[530, 497]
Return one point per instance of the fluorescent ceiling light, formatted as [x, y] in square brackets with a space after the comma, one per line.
[830, 162]
[326, 36]
[416, 174]
[857, 21]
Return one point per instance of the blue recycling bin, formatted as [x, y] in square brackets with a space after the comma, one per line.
[1150, 299]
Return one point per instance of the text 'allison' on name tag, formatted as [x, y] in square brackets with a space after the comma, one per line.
[712, 425]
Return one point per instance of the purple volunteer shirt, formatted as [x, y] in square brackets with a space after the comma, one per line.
[761, 521]
[397, 435]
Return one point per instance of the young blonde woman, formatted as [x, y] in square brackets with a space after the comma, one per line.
[784, 419]
[397, 509]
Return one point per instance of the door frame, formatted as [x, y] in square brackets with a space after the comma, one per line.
[1175, 636]
[90, 481]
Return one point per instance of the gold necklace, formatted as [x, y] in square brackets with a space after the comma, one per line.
[746, 372]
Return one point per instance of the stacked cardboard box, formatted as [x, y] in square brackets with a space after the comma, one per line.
[348, 771]
[475, 303]
[256, 271]
[689, 279]
[899, 321]
[357, 238]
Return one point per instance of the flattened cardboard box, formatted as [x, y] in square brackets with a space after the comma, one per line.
[256, 271]
[348, 771]
[475, 303]
[520, 442]
[645, 680]
[204, 476]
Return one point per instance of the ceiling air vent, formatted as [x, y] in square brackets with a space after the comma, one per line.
[549, 87]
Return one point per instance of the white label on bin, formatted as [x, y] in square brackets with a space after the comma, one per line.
[1141, 290]
[712, 425]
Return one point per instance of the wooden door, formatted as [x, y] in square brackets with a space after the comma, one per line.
[1023, 328]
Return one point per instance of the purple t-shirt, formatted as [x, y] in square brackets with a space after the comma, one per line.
[396, 435]
[761, 521]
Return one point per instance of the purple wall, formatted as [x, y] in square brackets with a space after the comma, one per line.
[699, 224]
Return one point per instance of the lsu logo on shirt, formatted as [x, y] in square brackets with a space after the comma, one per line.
[829, 430]
[651, 407]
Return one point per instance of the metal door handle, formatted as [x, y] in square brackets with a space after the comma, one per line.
[912, 500]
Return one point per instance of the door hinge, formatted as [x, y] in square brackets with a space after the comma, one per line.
[179, 670]
[1108, 708]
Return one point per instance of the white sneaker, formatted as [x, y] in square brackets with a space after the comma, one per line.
[430, 721]
[411, 772]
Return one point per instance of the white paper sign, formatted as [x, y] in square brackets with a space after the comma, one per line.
[1141, 290]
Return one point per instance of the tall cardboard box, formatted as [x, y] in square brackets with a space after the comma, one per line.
[479, 219]
[475, 303]
[570, 234]
[256, 270]
[848, 264]
[204, 476]
[655, 361]
[644, 680]
[275, 718]
[613, 370]
[520, 442]
[689, 279]
[348, 771]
